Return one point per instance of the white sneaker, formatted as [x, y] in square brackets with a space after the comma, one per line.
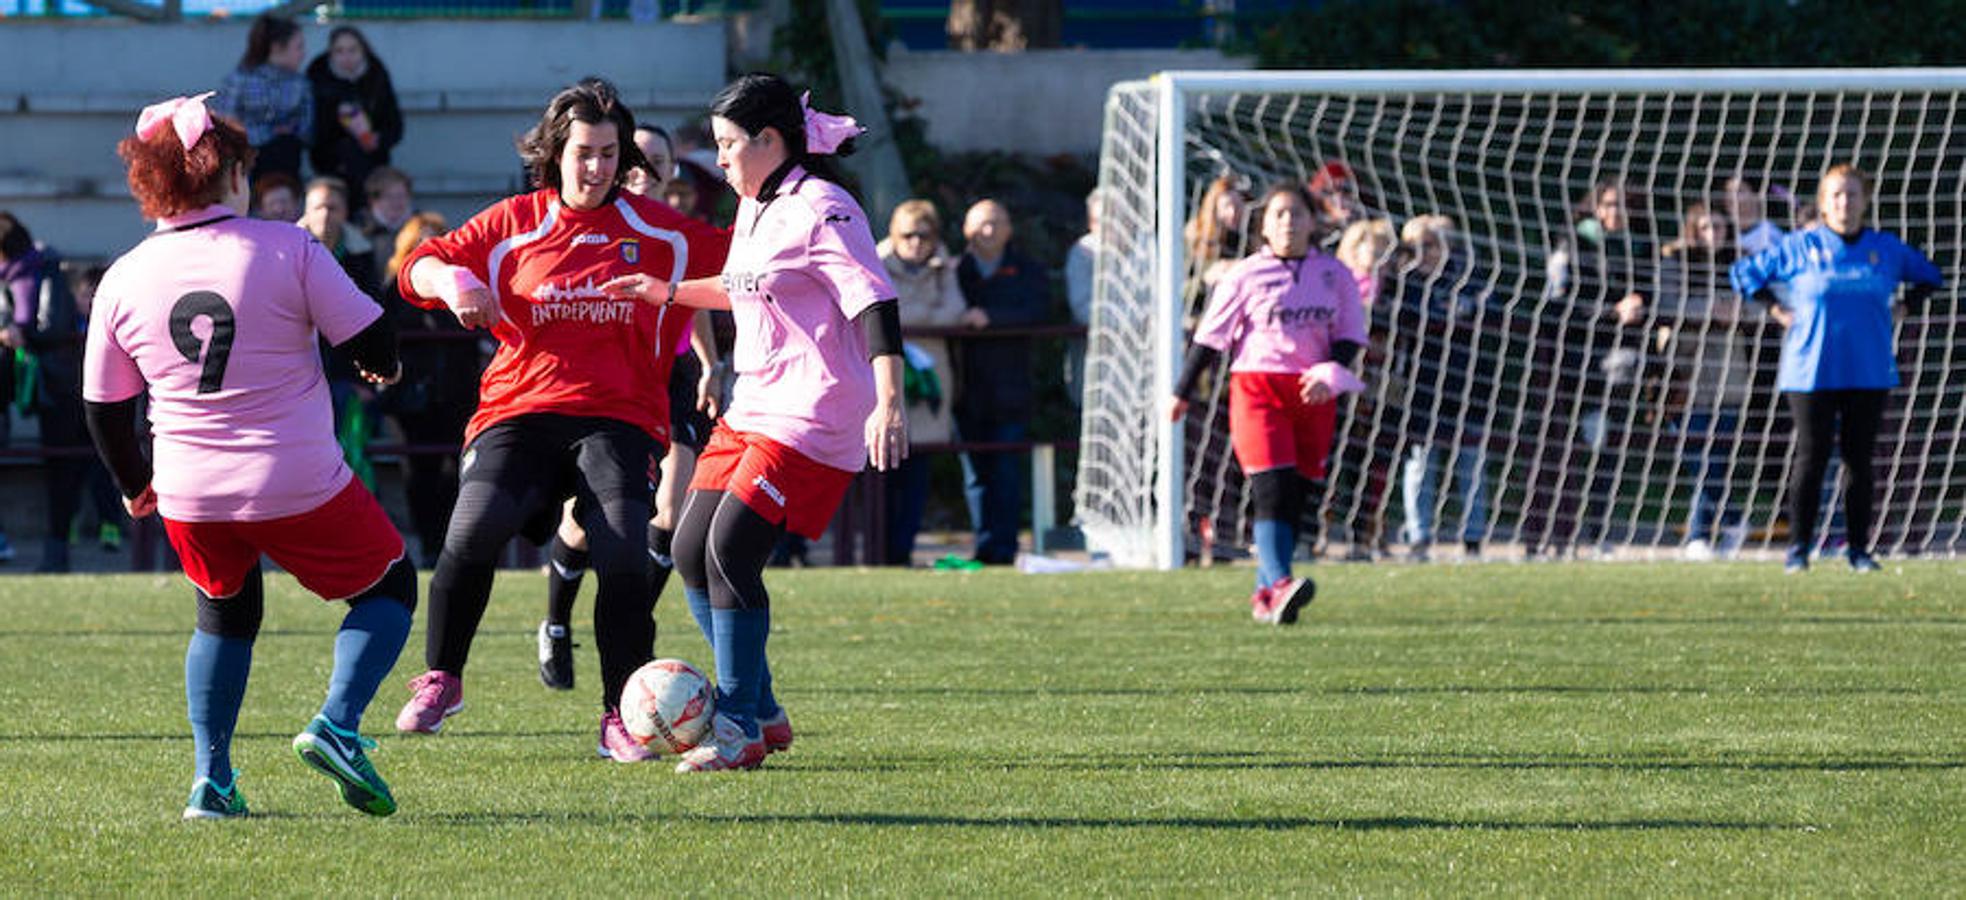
[1732, 539]
[1697, 550]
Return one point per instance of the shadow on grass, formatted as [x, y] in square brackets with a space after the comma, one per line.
[408, 740]
[1252, 761]
[1257, 823]
[1376, 690]
[1773, 619]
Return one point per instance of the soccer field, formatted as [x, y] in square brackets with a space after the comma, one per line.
[1554, 730]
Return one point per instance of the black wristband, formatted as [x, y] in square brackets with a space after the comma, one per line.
[113, 427]
[1200, 359]
[881, 323]
[373, 349]
[1343, 352]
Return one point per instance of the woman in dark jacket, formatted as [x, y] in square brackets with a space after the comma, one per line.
[356, 119]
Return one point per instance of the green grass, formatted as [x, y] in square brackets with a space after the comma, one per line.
[1550, 730]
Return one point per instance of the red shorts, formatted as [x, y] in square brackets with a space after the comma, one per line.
[780, 483]
[337, 550]
[1273, 428]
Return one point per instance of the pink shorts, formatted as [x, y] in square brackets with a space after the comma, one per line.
[337, 550]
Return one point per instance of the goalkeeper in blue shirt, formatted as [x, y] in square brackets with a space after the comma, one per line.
[1838, 366]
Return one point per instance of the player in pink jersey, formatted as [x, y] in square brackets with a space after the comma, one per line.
[1290, 319]
[575, 401]
[216, 316]
[818, 387]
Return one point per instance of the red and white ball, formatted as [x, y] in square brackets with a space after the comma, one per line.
[667, 705]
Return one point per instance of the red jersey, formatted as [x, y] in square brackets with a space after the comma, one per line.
[568, 348]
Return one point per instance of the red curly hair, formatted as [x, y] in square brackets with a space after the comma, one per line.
[167, 179]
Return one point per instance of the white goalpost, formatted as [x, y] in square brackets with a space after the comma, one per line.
[1508, 402]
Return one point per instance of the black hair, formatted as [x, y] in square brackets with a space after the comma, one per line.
[761, 100]
[592, 101]
[368, 52]
[269, 31]
[15, 241]
[667, 141]
[1293, 188]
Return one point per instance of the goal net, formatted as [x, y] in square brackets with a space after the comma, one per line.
[1514, 396]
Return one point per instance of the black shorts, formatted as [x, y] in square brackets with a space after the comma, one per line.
[688, 426]
[545, 458]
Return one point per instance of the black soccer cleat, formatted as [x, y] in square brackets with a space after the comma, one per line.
[555, 656]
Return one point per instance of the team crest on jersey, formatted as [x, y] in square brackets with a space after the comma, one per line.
[631, 251]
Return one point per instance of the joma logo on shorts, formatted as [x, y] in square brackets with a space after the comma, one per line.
[771, 490]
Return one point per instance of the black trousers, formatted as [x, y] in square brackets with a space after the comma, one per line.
[1851, 420]
[514, 476]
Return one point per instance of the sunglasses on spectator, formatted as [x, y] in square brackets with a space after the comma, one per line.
[917, 236]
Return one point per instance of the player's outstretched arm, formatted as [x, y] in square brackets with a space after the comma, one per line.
[460, 289]
[702, 293]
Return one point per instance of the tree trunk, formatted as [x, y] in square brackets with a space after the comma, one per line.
[1005, 25]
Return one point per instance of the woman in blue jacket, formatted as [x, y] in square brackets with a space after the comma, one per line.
[1838, 366]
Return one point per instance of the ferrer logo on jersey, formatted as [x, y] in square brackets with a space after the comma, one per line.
[631, 251]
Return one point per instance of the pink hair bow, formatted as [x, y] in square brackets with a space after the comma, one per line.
[826, 132]
[187, 115]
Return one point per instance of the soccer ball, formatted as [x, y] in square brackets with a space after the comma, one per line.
[667, 705]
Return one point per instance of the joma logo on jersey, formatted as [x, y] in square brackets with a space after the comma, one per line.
[631, 251]
[743, 282]
[581, 240]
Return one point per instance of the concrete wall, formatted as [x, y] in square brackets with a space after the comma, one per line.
[69, 91]
[1041, 101]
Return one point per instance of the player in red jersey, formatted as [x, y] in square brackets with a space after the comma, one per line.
[575, 401]
[692, 413]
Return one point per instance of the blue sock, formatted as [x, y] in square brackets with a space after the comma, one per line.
[215, 670]
[767, 701]
[365, 650]
[699, 609]
[740, 649]
[1276, 542]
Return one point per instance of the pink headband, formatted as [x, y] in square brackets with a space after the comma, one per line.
[824, 132]
[187, 115]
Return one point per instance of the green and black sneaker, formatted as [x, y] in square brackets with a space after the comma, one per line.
[338, 755]
[208, 801]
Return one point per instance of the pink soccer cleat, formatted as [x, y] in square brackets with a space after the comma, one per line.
[777, 731]
[1283, 600]
[617, 744]
[727, 748]
[434, 697]
[1262, 607]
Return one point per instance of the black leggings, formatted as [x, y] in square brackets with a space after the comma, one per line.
[722, 545]
[512, 472]
[1851, 418]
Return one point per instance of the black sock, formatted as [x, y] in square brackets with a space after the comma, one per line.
[661, 560]
[563, 576]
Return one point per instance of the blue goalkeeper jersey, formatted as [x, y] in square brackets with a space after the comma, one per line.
[1840, 293]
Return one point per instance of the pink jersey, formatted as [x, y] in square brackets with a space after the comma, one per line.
[801, 266]
[1282, 315]
[217, 316]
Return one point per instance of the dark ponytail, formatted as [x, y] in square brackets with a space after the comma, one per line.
[761, 100]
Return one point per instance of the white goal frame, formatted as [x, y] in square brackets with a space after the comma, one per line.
[1162, 545]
